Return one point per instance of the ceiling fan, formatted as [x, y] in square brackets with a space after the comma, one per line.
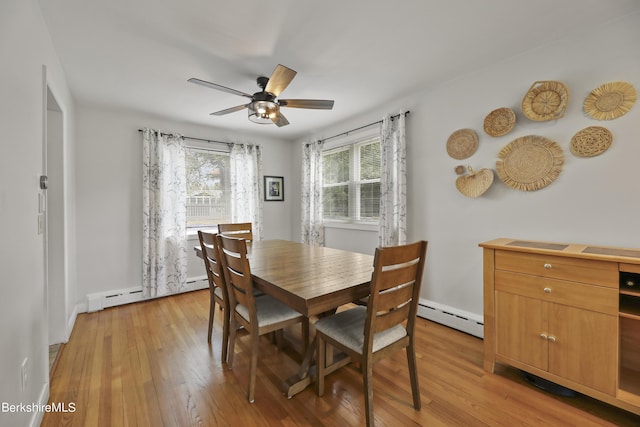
[264, 106]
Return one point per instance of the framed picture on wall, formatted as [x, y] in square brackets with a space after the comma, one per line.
[273, 188]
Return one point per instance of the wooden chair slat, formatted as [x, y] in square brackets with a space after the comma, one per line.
[240, 230]
[394, 297]
[391, 318]
[392, 278]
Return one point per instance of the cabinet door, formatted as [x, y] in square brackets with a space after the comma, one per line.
[582, 347]
[519, 322]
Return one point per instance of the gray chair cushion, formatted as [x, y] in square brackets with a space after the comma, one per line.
[347, 327]
[269, 310]
[218, 292]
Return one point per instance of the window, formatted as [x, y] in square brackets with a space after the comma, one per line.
[208, 187]
[351, 187]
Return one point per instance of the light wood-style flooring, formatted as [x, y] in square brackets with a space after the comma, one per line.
[149, 364]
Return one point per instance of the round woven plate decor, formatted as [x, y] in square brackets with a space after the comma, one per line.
[610, 100]
[545, 100]
[529, 163]
[499, 122]
[591, 141]
[462, 143]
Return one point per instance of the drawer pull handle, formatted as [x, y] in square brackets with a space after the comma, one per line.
[547, 266]
[552, 338]
[630, 283]
[544, 336]
[547, 290]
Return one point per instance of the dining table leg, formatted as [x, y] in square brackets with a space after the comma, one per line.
[307, 371]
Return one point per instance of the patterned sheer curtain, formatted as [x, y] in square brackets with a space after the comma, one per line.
[312, 226]
[246, 186]
[393, 184]
[164, 247]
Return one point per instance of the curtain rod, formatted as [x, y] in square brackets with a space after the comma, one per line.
[406, 113]
[190, 137]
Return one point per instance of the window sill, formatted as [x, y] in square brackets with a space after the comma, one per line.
[192, 233]
[361, 226]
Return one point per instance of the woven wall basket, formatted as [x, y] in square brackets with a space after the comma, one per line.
[610, 100]
[529, 163]
[475, 183]
[545, 100]
[591, 141]
[462, 143]
[499, 122]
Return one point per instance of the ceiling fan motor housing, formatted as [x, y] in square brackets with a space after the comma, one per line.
[263, 96]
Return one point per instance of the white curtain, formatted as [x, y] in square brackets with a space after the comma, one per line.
[164, 248]
[246, 186]
[312, 226]
[393, 184]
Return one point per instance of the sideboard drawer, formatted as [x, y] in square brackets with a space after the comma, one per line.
[588, 297]
[595, 272]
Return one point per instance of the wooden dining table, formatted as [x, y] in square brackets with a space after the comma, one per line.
[313, 280]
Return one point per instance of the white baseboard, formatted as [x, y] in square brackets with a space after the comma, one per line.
[452, 317]
[101, 300]
[43, 399]
[78, 308]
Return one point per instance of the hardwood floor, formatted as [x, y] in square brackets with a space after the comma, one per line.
[149, 364]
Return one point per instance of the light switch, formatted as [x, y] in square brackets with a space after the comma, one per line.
[40, 223]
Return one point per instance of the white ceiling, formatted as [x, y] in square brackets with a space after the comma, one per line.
[138, 54]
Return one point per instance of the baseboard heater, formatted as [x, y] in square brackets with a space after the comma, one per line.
[457, 319]
[469, 323]
[101, 300]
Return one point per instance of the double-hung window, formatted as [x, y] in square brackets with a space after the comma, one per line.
[351, 182]
[208, 200]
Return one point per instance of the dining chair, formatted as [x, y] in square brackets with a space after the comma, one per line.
[242, 230]
[217, 286]
[385, 325]
[259, 315]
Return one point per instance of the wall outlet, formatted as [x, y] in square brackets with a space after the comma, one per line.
[23, 373]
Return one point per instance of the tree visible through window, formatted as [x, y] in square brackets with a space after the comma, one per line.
[351, 187]
[208, 188]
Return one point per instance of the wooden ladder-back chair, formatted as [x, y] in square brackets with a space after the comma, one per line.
[217, 286]
[259, 315]
[239, 230]
[385, 325]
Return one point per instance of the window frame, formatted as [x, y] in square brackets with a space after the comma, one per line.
[353, 145]
[214, 147]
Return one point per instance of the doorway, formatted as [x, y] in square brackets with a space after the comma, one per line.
[55, 255]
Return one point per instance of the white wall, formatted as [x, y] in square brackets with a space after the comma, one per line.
[595, 200]
[25, 47]
[109, 193]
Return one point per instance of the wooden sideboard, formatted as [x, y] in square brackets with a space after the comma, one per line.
[568, 313]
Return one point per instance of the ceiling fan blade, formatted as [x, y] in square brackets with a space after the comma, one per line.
[279, 119]
[280, 79]
[229, 110]
[316, 104]
[217, 87]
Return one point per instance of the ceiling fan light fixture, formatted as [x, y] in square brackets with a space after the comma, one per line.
[264, 107]
[262, 112]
